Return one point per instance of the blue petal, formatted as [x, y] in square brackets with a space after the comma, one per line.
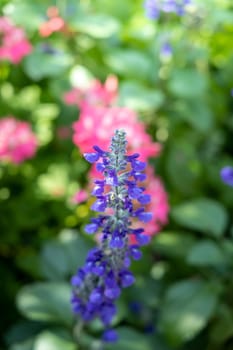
[91, 157]
[145, 217]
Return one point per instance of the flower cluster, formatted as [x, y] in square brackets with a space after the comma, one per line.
[96, 122]
[17, 141]
[14, 44]
[95, 94]
[106, 271]
[55, 23]
[99, 117]
[155, 7]
[227, 175]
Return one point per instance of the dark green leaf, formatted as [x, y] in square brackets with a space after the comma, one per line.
[171, 243]
[46, 302]
[206, 253]
[202, 214]
[186, 310]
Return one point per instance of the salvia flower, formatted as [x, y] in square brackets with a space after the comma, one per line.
[98, 284]
[154, 8]
[17, 140]
[227, 175]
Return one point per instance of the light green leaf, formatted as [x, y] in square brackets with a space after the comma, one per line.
[138, 97]
[202, 214]
[39, 65]
[98, 26]
[187, 83]
[186, 310]
[46, 302]
[206, 253]
[62, 257]
[127, 63]
[51, 341]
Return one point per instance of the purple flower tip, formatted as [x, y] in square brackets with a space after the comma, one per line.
[91, 157]
[110, 335]
[127, 279]
[144, 199]
[112, 293]
[143, 239]
[91, 228]
[99, 205]
[227, 175]
[145, 217]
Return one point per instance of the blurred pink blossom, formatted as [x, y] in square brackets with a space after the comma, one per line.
[80, 196]
[17, 141]
[55, 23]
[96, 94]
[14, 44]
[96, 123]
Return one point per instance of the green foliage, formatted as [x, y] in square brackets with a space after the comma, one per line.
[183, 289]
[187, 307]
[203, 215]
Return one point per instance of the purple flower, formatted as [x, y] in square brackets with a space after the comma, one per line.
[91, 228]
[98, 284]
[154, 8]
[110, 335]
[100, 204]
[166, 50]
[227, 175]
[91, 157]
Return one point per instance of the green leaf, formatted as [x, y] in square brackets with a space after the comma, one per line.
[24, 345]
[62, 257]
[222, 327]
[28, 14]
[51, 341]
[99, 26]
[196, 113]
[187, 83]
[202, 214]
[39, 65]
[183, 159]
[127, 63]
[175, 244]
[186, 310]
[206, 253]
[129, 339]
[46, 302]
[138, 97]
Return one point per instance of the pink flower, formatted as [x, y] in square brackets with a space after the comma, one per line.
[14, 45]
[17, 141]
[96, 94]
[96, 123]
[80, 196]
[54, 24]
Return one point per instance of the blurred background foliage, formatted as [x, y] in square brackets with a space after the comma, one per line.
[183, 295]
